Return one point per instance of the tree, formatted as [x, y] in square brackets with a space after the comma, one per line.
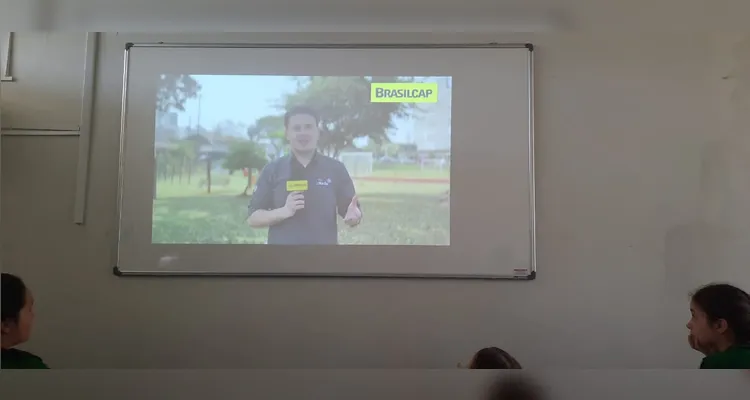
[246, 155]
[345, 109]
[190, 147]
[265, 127]
[174, 90]
[278, 141]
[270, 127]
[391, 149]
[211, 153]
[199, 148]
[186, 152]
[174, 160]
[162, 161]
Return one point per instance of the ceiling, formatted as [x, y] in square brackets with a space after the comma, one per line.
[377, 15]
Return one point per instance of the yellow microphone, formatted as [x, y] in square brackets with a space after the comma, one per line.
[296, 186]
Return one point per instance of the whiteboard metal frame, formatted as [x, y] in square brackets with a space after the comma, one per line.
[493, 45]
[85, 127]
[6, 69]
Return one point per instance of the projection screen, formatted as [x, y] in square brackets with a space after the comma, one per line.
[327, 160]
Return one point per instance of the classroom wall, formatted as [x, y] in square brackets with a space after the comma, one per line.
[642, 189]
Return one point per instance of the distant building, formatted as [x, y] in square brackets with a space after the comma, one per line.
[166, 126]
[166, 119]
[270, 149]
[231, 128]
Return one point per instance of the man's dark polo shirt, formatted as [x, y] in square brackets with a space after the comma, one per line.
[330, 190]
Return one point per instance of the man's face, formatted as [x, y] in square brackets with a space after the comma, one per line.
[302, 133]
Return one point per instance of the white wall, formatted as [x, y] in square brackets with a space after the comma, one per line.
[642, 187]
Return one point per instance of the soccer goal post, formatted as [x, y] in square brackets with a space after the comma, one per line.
[358, 164]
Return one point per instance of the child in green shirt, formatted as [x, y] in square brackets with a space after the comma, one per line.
[17, 321]
[720, 326]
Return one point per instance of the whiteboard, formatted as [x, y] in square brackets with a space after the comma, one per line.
[487, 226]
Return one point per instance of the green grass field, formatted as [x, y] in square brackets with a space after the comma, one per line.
[395, 213]
[410, 171]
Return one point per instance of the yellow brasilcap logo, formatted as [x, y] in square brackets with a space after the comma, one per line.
[403, 92]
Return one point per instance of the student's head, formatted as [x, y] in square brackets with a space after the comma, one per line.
[493, 358]
[17, 311]
[301, 125]
[720, 316]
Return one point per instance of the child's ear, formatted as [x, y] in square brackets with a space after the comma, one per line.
[5, 328]
[721, 325]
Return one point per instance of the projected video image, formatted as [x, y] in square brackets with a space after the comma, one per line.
[302, 160]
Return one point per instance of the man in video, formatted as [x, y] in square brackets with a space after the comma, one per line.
[297, 196]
